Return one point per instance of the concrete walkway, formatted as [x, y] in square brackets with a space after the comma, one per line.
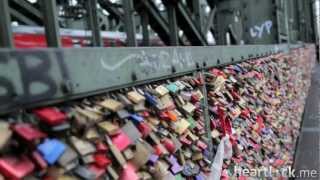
[308, 146]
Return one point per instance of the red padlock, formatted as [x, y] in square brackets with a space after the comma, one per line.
[28, 132]
[101, 160]
[101, 147]
[50, 116]
[169, 145]
[16, 168]
[98, 171]
[144, 129]
[40, 162]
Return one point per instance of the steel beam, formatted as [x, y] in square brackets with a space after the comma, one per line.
[49, 9]
[91, 6]
[110, 7]
[27, 10]
[173, 26]
[145, 30]
[129, 22]
[157, 22]
[186, 24]
[22, 18]
[36, 77]
[210, 20]
[6, 39]
[198, 14]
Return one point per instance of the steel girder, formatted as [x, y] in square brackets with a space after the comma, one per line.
[36, 77]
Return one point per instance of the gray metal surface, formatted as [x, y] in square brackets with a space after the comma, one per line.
[40, 76]
[49, 9]
[5, 25]
[308, 148]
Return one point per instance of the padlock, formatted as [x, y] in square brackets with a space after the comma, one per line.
[116, 152]
[39, 161]
[51, 150]
[139, 107]
[141, 154]
[84, 173]
[28, 132]
[124, 100]
[135, 97]
[82, 147]
[68, 156]
[144, 129]
[111, 105]
[128, 154]
[181, 126]
[50, 116]
[13, 167]
[112, 172]
[121, 140]
[131, 131]
[91, 134]
[153, 159]
[129, 173]
[98, 171]
[109, 127]
[101, 160]
[91, 117]
[5, 134]
[161, 90]
[169, 145]
[87, 159]
[123, 114]
[189, 108]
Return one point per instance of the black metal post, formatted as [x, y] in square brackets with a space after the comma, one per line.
[49, 9]
[6, 39]
[129, 22]
[91, 6]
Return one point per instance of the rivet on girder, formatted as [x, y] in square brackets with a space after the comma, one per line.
[134, 76]
[197, 65]
[14, 95]
[173, 69]
[204, 64]
[232, 59]
[66, 87]
[218, 61]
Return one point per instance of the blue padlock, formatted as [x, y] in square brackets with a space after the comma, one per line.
[150, 99]
[51, 150]
[136, 118]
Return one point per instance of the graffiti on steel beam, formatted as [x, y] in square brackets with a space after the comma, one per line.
[153, 62]
[34, 68]
[257, 31]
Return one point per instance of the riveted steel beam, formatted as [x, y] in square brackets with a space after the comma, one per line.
[49, 9]
[6, 39]
[36, 77]
[91, 6]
